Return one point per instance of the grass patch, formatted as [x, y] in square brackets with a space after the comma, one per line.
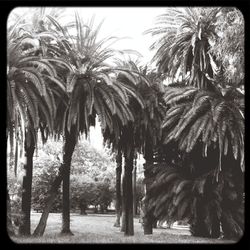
[97, 228]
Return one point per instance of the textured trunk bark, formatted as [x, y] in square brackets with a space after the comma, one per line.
[118, 188]
[128, 195]
[69, 146]
[29, 148]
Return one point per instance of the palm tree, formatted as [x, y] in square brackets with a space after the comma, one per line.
[205, 120]
[32, 83]
[92, 90]
[184, 38]
[148, 131]
[208, 128]
[142, 135]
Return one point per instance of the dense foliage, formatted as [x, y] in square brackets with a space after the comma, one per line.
[204, 121]
[92, 177]
[203, 202]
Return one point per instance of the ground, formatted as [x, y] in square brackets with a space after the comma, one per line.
[98, 228]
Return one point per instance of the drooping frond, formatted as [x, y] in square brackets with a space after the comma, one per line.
[200, 116]
[182, 43]
[172, 196]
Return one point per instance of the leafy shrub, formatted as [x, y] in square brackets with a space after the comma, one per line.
[92, 176]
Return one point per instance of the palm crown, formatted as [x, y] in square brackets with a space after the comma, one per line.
[185, 35]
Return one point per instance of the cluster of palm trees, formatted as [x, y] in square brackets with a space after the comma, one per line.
[60, 77]
[204, 124]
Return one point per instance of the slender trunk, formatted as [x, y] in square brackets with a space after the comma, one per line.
[69, 146]
[39, 231]
[154, 223]
[66, 202]
[199, 228]
[147, 218]
[10, 228]
[83, 207]
[71, 138]
[134, 191]
[123, 201]
[29, 148]
[215, 227]
[128, 195]
[83, 211]
[118, 188]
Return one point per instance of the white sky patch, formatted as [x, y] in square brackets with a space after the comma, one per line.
[95, 136]
[126, 22]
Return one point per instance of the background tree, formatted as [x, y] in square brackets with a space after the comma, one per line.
[46, 167]
[123, 136]
[229, 45]
[92, 176]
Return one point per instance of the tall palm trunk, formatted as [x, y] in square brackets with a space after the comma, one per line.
[148, 218]
[128, 195]
[69, 146]
[71, 138]
[123, 199]
[134, 190]
[118, 188]
[66, 200]
[29, 148]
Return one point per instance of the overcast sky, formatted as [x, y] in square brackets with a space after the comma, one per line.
[121, 22]
[126, 22]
